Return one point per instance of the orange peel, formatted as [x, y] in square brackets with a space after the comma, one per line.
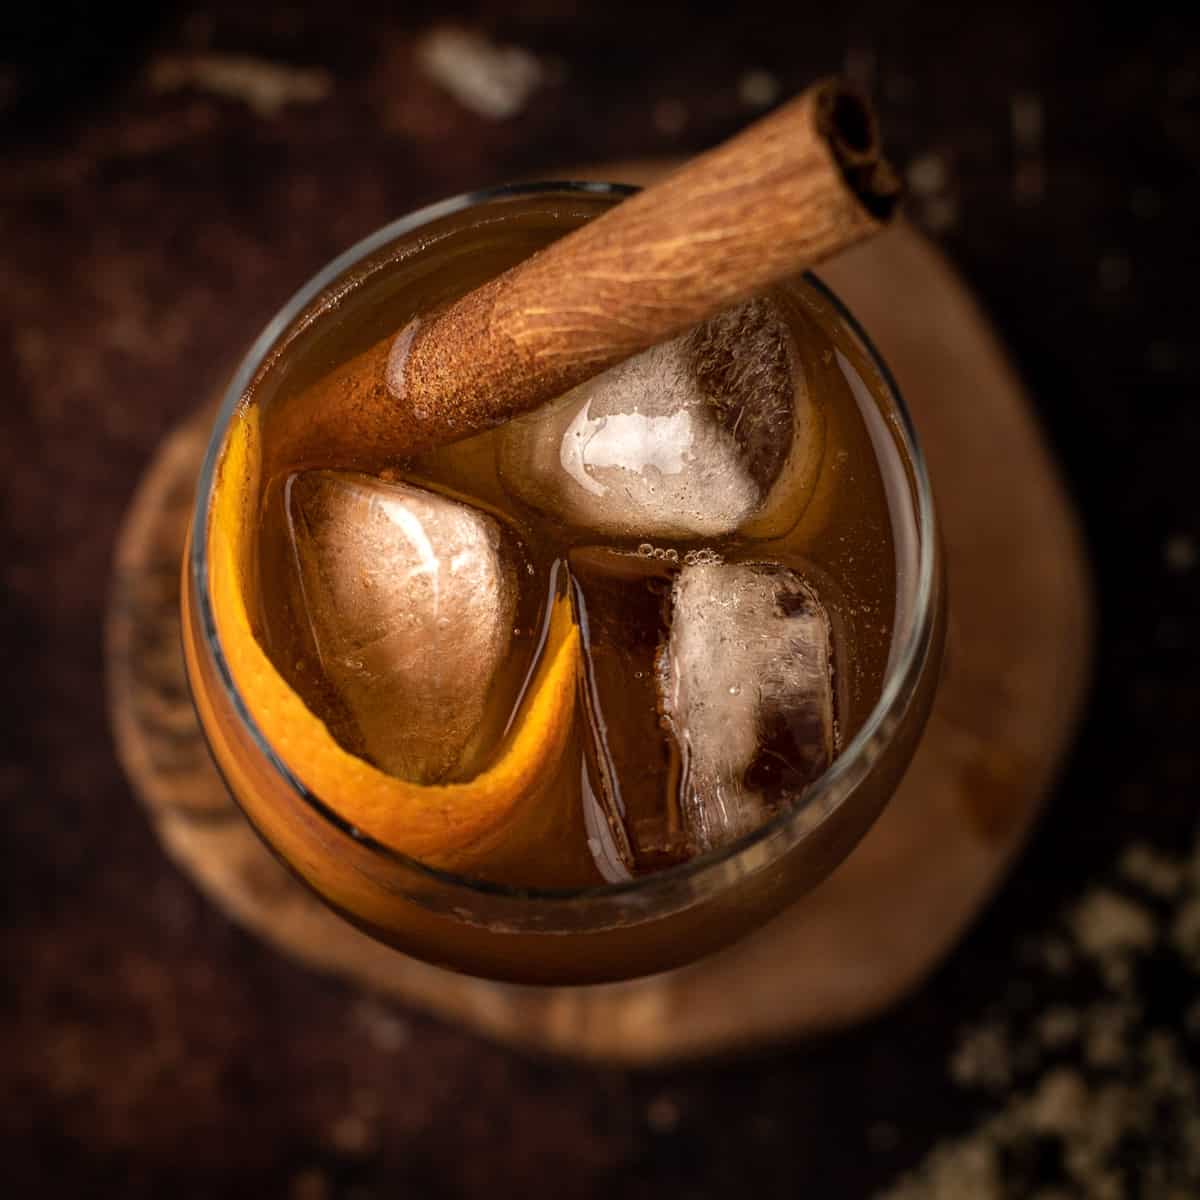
[443, 825]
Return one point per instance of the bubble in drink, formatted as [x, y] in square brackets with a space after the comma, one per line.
[746, 686]
[409, 599]
[688, 439]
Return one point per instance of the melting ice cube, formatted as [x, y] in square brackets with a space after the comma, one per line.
[409, 598]
[746, 685]
[684, 440]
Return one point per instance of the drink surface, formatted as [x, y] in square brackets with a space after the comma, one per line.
[715, 513]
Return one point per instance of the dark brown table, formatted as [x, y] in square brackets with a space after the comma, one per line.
[160, 197]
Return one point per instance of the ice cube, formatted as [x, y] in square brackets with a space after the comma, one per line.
[746, 686]
[622, 605]
[409, 599]
[684, 440]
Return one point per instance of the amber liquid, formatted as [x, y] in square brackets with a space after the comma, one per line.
[619, 792]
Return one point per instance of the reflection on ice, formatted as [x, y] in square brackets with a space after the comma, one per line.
[746, 685]
[684, 440]
[409, 599]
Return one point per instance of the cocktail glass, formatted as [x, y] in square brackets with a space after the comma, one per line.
[560, 936]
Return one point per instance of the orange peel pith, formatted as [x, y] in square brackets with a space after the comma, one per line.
[439, 824]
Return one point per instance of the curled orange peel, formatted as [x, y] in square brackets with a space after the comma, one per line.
[440, 824]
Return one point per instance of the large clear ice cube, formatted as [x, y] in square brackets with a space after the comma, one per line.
[746, 686]
[684, 440]
[409, 599]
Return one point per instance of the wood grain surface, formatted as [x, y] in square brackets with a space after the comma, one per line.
[1007, 704]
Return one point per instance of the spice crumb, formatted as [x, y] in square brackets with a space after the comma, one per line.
[1112, 1103]
[385, 1030]
[758, 89]
[1179, 553]
[492, 81]
[983, 1058]
[352, 1134]
[927, 175]
[264, 87]
[1107, 924]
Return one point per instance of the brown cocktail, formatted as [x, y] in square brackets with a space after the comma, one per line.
[588, 694]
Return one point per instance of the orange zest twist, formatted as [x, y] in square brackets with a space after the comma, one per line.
[445, 825]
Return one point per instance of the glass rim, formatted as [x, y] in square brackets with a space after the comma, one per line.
[716, 865]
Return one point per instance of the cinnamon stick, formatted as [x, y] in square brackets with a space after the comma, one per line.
[795, 188]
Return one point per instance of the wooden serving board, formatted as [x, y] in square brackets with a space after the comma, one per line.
[1016, 670]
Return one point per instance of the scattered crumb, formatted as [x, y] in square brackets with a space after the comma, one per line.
[1121, 1116]
[386, 1031]
[758, 89]
[968, 1169]
[265, 87]
[1107, 924]
[927, 175]
[931, 187]
[1089, 1129]
[1025, 110]
[1141, 864]
[662, 1114]
[491, 81]
[670, 117]
[1107, 1032]
[1179, 553]
[352, 1134]
[1059, 1103]
[983, 1058]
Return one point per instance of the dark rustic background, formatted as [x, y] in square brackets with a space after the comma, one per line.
[169, 175]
